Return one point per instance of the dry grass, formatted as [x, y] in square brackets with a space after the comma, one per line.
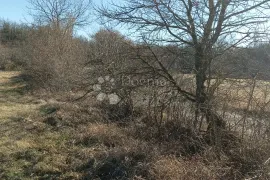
[6, 75]
[50, 139]
[32, 149]
[243, 103]
[173, 168]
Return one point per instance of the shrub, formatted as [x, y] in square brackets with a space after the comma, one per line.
[54, 59]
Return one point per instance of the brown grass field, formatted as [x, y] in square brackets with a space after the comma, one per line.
[47, 139]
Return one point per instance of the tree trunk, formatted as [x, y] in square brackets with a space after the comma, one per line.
[203, 103]
[200, 69]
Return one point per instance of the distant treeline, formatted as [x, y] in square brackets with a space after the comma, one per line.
[11, 32]
[241, 62]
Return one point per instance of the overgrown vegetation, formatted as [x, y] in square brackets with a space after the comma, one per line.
[193, 103]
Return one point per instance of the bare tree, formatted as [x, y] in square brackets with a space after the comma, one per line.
[200, 24]
[60, 13]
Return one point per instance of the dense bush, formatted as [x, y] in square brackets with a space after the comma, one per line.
[12, 33]
[54, 59]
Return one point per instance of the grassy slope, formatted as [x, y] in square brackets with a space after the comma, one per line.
[27, 146]
[87, 149]
[32, 149]
[16, 111]
[81, 145]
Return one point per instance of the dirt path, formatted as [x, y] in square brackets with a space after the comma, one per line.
[17, 111]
